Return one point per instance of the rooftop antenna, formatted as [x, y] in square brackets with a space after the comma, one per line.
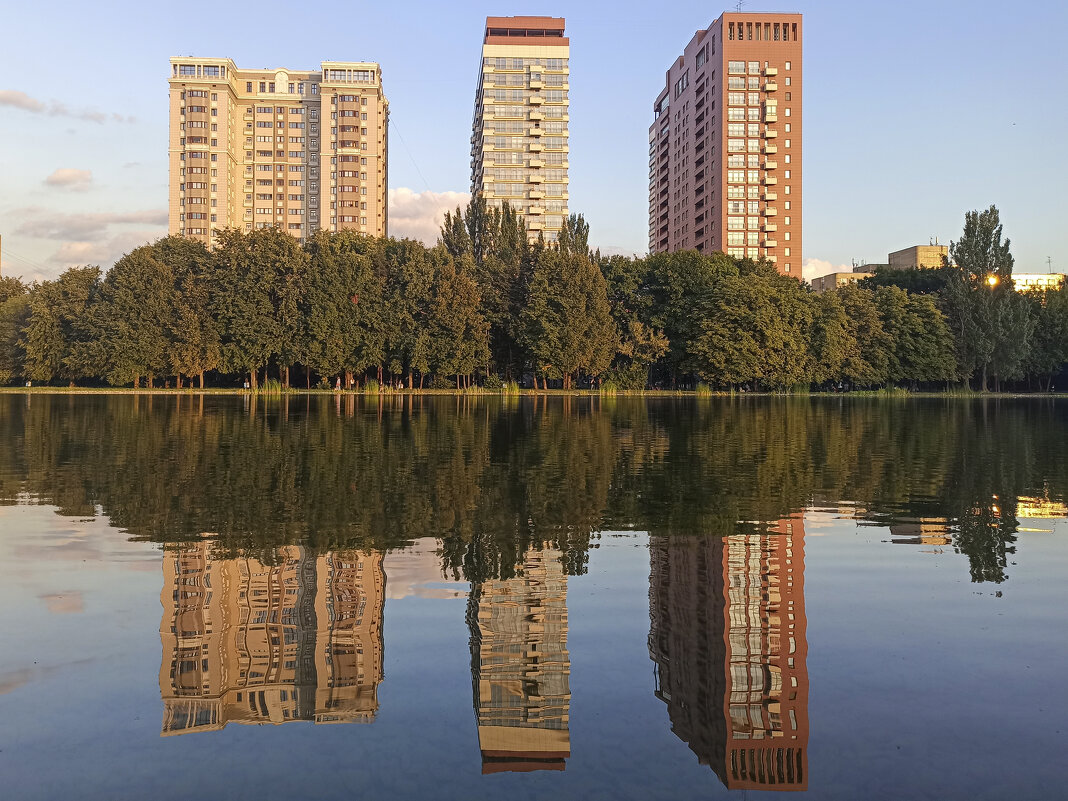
[1049, 264]
[738, 5]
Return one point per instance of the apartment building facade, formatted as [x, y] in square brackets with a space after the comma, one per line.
[300, 150]
[519, 136]
[725, 146]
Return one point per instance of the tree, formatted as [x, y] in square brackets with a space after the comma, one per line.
[979, 299]
[14, 316]
[869, 363]
[129, 324]
[567, 321]
[833, 340]
[253, 274]
[53, 333]
[457, 332]
[194, 336]
[341, 304]
[1049, 351]
[755, 328]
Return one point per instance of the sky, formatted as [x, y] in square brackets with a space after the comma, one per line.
[915, 113]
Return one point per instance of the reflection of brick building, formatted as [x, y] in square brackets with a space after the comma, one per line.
[520, 666]
[727, 635]
[247, 642]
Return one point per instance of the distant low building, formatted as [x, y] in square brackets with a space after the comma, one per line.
[825, 283]
[869, 268]
[919, 257]
[1025, 282]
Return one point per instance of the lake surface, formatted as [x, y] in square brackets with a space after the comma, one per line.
[530, 598]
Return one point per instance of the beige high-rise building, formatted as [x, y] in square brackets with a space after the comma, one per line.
[519, 138]
[725, 146]
[299, 150]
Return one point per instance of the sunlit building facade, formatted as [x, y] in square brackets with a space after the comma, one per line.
[725, 146]
[728, 639]
[520, 666]
[519, 136]
[300, 150]
[248, 642]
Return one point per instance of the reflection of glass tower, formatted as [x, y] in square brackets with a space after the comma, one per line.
[727, 635]
[520, 666]
[247, 642]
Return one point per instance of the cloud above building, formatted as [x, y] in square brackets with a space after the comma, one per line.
[419, 215]
[814, 268]
[12, 98]
[70, 178]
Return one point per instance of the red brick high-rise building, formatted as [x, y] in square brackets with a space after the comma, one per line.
[725, 150]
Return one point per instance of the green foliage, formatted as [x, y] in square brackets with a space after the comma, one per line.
[493, 383]
[913, 281]
[55, 336]
[567, 322]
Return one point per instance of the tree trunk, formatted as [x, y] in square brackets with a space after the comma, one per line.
[983, 386]
[151, 380]
[178, 381]
[379, 375]
[137, 382]
[202, 379]
[252, 380]
[410, 383]
[348, 379]
[457, 380]
[285, 377]
[307, 376]
[421, 377]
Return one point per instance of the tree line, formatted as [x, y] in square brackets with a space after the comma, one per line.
[485, 305]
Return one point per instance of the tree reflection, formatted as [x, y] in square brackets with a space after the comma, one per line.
[493, 478]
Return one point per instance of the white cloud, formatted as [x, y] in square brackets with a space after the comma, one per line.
[42, 223]
[20, 100]
[814, 268]
[419, 215]
[70, 178]
[104, 252]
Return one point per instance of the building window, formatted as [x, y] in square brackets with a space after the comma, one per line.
[787, 65]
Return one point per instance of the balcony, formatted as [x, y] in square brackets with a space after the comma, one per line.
[535, 210]
[771, 165]
[536, 163]
[770, 72]
[535, 131]
[769, 228]
[536, 100]
[536, 147]
[771, 86]
[535, 194]
[771, 212]
[770, 150]
[535, 225]
[535, 178]
[771, 117]
[770, 243]
[537, 115]
[535, 84]
[770, 258]
[770, 134]
[770, 180]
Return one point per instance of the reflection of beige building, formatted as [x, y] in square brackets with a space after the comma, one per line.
[1039, 508]
[248, 642]
[299, 150]
[520, 666]
[922, 257]
[519, 137]
[921, 531]
[728, 637]
[825, 283]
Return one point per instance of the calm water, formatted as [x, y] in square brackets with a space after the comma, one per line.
[214, 597]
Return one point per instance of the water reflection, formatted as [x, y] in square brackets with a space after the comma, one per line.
[520, 666]
[244, 641]
[727, 637]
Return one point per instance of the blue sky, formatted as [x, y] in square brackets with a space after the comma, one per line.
[915, 112]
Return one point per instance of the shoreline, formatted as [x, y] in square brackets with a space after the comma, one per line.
[480, 393]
